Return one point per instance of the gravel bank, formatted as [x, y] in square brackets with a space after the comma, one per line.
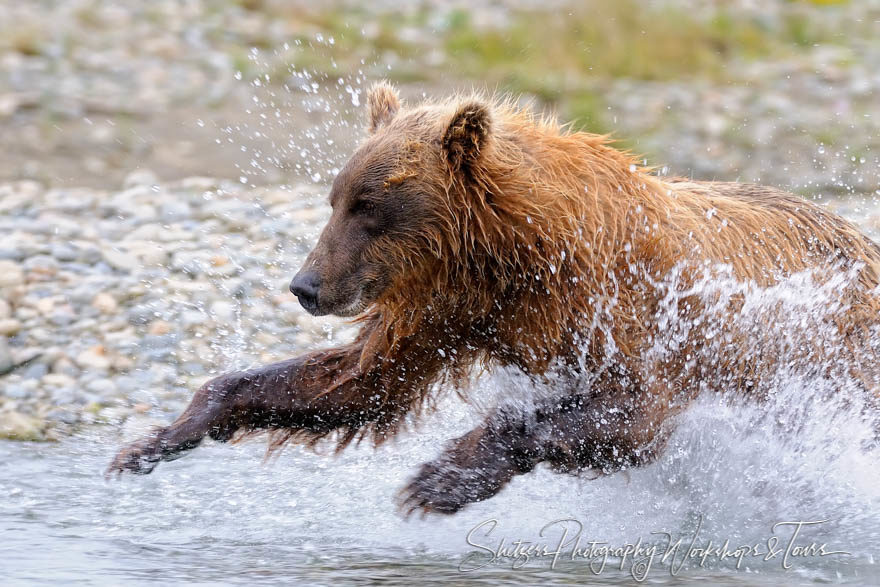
[117, 304]
[90, 89]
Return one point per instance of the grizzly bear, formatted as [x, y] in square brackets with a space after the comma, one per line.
[469, 234]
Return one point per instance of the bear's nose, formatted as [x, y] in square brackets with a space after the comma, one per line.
[304, 286]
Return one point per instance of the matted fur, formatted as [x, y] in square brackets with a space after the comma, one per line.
[534, 228]
[470, 233]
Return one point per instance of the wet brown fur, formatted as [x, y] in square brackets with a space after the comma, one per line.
[543, 224]
[522, 237]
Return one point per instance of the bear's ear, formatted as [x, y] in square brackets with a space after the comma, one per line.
[383, 103]
[467, 134]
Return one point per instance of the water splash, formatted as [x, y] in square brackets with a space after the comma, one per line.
[804, 453]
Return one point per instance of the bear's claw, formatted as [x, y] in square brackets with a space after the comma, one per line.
[139, 458]
[441, 490]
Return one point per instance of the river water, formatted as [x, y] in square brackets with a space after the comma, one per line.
[731, 478]
[222, 515]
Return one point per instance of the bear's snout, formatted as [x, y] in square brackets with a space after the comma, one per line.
[304, 286]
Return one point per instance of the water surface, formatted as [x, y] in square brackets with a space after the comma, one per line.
[220, 515]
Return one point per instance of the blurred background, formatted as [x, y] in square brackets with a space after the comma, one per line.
[164, 166]
[779, 91]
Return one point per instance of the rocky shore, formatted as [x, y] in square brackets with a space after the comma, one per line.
[117, 304]
[90, 90]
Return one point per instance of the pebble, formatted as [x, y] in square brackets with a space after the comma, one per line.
[174, 211]
[105, 303]
[94, 358]
[191, 318]
[102, 387]
[15, 391]
[160, 327]
[120, 260]
[140, 177]
[62, 317]
[6, 360]
[116, 414]
[41, 264]
[17, 426]
[58, 380]
[223, 311]
[9, 327]
[65, 366]
[35, 371]
[11, 273]
[64, 253]
[7, 254]
[65, 415]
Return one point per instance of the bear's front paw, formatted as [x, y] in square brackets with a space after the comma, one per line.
[140, 457]
[443, 489]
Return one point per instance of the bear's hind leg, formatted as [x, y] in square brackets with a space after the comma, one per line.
[572, 433]
[475, 467]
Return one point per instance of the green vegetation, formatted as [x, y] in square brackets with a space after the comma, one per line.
[560, 57]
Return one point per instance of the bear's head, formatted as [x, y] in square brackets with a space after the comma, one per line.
[392, 218]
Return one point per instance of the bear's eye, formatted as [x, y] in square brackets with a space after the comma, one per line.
[364, 207]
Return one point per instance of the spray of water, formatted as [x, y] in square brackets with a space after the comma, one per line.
[803, 450]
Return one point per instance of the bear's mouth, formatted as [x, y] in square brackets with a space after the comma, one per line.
[365, 295]
[344, 306]
[355, 307]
